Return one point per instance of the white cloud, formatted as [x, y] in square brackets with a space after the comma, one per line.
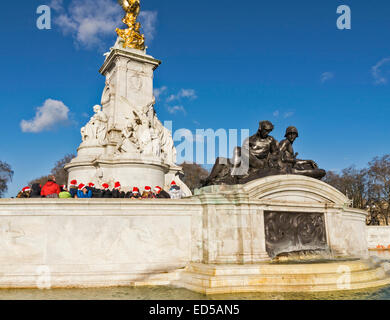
[288, 115]
[159, 91]
[183, 93]
[176, 109]
[377, 71]
[90, 22]
[57, 5]
[276, 113]
[148, 21]
[53, 112]
[326, 76]
[173, 102]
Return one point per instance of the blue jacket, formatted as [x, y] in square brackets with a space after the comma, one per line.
[81, 195]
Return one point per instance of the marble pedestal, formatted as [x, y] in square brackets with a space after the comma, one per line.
[127, 117]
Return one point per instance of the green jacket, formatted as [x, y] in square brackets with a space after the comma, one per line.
[65, 195]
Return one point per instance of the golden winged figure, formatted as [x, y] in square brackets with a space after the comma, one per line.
[132, 36]
[131, 6]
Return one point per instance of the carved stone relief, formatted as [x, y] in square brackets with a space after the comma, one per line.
[287, 232]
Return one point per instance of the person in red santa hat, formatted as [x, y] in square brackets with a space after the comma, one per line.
[73, 188]
[105, 192]
[175, 191]
[95, 192]
[147, 194]
[83, 192]
[136, 194]
[160, 193]
[116, 192]
[24, 193]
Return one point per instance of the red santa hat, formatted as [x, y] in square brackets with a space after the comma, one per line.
[91, 185]
[73, 183]
[81, 186]
[157, 189]
[148, 189]
[63, 186]
[173, 183]
[25, 189]
[105, 186]
[117, 185]
[135, 190]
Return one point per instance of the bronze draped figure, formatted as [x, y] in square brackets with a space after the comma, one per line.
[260, 156]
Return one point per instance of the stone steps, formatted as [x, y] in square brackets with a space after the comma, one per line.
[226, 279]
[219, 270]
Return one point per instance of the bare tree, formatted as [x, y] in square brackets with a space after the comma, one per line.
[6, 175]
[379, 186]
[193, 174]
[353, 183]
[59, 172]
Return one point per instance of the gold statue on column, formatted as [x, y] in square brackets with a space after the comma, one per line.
[132, 36]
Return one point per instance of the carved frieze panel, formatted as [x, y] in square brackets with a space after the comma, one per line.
[287, 232]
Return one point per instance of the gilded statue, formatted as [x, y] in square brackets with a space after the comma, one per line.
[131, 36]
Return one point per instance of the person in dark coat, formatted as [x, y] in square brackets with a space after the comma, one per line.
[160, 193]
[35, 191]
[136, 194]
[116, 192]
[96, 193]
[105, 192]
[73, 188]
[129, 195]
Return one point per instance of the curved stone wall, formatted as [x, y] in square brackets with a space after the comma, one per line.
[109, 242]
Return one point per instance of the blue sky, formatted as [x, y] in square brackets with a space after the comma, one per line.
[242, 62]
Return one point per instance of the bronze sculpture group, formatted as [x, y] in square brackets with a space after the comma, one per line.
[262, 155]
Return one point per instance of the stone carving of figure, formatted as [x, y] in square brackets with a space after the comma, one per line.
[156, 143]
[129, 143]
[167, 146]
[99, 174]
[101, 120]
[83, 134]
[95, 131]
[144, 132]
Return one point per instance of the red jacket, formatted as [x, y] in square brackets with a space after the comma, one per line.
[50, 188]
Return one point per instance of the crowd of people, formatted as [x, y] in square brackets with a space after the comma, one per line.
[81, 191]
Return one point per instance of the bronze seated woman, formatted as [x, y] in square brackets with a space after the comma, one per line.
[261, 156]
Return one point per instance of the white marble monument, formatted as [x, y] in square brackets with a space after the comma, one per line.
[124, 140]
[213, 242]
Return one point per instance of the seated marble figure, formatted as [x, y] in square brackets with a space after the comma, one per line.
[261, 155]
